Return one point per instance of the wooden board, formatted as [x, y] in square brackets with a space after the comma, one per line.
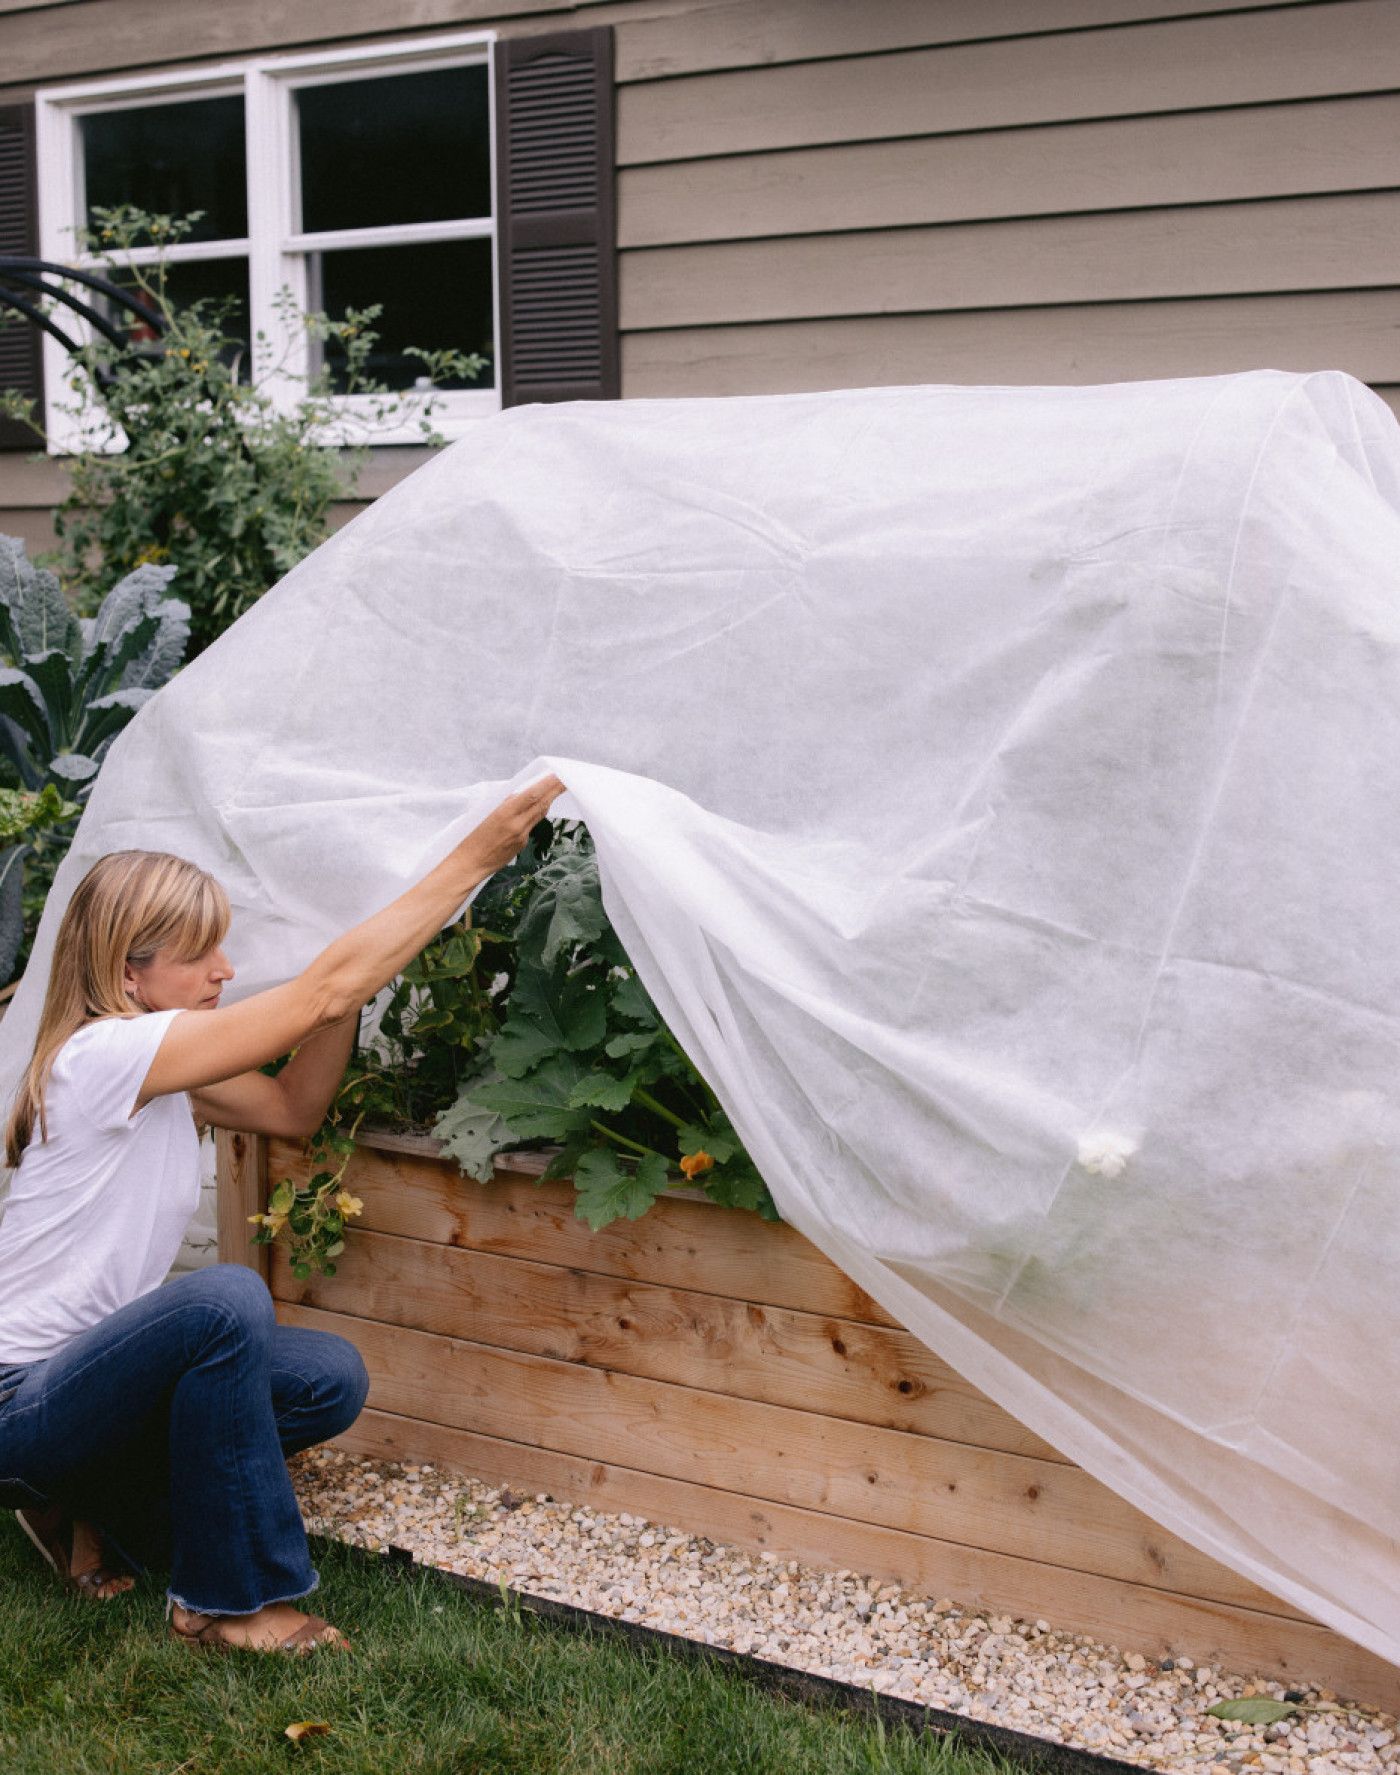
[240, 1164]
[839, 1367]
[678, 1243]
[1309, 243]
[741, 1419]
[1108, 342]
[1351, 46]
[1187, 157]
[1004, 1503]
[1126, 1616]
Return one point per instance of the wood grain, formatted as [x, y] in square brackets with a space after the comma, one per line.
[239, 1168]
[679, 1243]
[1004, 1503]
[811, 1362]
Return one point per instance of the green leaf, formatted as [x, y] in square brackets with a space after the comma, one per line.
[602, 1091]
[281, 1199]
[472, 1133]
[631, 999]
[537, 1108]
[521, 1044]
[704, 1140]
[1253, 1710]
[608, 1192]
[622, 1045]
[21, 701]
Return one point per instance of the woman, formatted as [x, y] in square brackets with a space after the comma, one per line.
[153, 1422]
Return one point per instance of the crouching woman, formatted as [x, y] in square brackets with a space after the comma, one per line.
[145, 1424]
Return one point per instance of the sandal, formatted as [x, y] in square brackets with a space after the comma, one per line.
[51, 1531]
[298, 1644]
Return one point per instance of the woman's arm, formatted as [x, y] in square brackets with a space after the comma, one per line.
[201, 1048]
[292, 1103]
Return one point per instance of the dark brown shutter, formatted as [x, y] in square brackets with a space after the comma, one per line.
[554, 208]
[20, 362]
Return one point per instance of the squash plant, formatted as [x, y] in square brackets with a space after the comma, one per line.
[526, 1025]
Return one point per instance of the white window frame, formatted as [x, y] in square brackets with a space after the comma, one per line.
[275, 248]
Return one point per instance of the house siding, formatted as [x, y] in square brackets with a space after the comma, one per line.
[813, 194]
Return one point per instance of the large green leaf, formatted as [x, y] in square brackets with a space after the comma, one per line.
[52, 672]
[472, 1133]
[21, 701]
[567, 907]
[106, 661]
[537, 1108]
[549, 1013]
[630, 999]
[12, 859]
[607, 1191]
[601, 1090]
[106, 716]
[128, 601]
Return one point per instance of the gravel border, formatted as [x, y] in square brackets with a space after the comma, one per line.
[840, 1626]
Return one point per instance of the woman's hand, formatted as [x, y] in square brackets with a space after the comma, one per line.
[502, 834]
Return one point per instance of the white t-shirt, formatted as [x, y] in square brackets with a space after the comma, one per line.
[95, 1215]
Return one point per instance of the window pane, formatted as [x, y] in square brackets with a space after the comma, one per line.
[397, 148]
[171, 159]
[434, 295]
[186, 282]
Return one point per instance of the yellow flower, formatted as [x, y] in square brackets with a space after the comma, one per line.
[694, 1163]
[348, 1205]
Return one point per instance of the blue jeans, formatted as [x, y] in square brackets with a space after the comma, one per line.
[168, 1425]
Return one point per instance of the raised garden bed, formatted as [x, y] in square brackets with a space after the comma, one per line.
[718, 1373]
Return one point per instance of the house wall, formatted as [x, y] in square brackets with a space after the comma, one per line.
[813, 194]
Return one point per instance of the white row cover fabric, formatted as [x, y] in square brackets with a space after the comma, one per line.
[997, 790]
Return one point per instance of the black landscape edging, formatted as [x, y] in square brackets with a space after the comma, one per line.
[803, 1685]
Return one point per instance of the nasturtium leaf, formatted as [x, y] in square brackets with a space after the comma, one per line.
[603, 1091]
[608, 1192]
[281, 1199]
[1253, 1710]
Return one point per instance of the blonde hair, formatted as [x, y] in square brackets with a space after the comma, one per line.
[129, 906]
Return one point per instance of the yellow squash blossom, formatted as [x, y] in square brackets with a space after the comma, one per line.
[694, 1163]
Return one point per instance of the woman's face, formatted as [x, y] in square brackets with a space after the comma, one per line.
[167, 985]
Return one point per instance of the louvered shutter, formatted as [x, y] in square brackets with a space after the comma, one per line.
[555, 227]
[20, 362]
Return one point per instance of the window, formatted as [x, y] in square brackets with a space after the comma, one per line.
[350, 177]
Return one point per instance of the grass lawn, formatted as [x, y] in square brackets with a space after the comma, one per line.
[437, 1681]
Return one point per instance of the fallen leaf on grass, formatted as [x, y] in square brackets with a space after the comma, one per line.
[300, 1729]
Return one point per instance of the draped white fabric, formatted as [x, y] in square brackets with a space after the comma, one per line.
[997, 790]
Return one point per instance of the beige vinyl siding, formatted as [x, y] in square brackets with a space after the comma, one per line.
[1104, 200]
[52, 40]
[814, 194]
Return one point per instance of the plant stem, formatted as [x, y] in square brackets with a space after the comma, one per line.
[622, 1140]
[714, 1101]
[647, 1101]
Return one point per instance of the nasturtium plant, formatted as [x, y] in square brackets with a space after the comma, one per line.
[526, 1025]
